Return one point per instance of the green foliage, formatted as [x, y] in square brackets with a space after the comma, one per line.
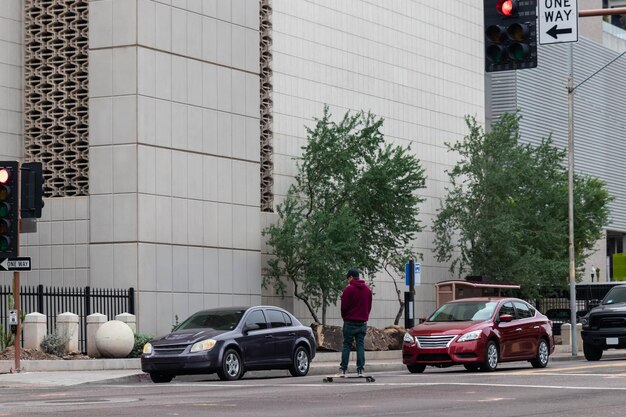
[506, 215]
[353, 203]
[140, 340]
[54, 344]
[6, 338]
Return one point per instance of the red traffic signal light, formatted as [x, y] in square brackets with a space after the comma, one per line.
[507, 8]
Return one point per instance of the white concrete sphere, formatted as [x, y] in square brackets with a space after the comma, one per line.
[114, 339]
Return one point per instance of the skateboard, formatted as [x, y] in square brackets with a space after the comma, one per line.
[331, 378]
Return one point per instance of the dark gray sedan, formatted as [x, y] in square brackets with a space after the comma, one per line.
[231, 341]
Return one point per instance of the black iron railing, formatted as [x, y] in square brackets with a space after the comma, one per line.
[52, 301]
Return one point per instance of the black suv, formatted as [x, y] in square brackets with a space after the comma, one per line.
[604, 327]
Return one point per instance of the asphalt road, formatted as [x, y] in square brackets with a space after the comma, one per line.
[572, 388]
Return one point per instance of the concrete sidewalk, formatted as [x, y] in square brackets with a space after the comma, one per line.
[122, 371]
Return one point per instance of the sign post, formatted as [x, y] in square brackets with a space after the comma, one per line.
[412, 271]
[558, 21]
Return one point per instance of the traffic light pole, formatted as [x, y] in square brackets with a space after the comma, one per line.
[17, 341]
[602, 12]
[18, 333]
[570, 202]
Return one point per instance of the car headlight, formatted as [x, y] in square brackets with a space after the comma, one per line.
[584, 321]
[475, 335]
[202, 345]
[408, 338]
[147, 348]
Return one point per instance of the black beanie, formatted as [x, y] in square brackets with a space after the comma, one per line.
[353, 273]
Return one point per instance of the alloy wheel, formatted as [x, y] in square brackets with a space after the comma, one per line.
[232, 364]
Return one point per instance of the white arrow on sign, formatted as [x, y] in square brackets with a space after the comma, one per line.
[5, 264]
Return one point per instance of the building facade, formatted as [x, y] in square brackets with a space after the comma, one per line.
[168, 131]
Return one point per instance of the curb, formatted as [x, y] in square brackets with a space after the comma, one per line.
[72, 365]
[324, 363]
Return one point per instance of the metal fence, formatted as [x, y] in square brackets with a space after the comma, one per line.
[587, 297]
[52, 301]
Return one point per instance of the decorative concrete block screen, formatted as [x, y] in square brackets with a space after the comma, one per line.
[267, 196]
[56, 93]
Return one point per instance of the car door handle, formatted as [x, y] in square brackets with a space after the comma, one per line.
[269, 336]
[519, 329]
[292, 333]
[536, 327]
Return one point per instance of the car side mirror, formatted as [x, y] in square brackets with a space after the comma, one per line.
[506, 318]
[250, 327]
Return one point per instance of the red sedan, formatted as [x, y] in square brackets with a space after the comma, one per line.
[479, 333]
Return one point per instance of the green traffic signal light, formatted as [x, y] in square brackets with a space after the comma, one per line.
[495, 51]
[4, 209]
[519, 49]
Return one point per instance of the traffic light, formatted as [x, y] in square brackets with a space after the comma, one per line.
[510, 34]
[32, 190]
[9, 186]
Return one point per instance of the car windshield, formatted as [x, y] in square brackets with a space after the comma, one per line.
[213, 319]
[615, 296]
[464, 311]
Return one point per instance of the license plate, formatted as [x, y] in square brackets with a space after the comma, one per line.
[612, 341]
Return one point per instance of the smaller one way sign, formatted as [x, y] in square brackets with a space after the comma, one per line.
[558, 21]
[15, 264]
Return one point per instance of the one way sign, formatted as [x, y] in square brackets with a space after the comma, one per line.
[15, 264]
[558, 21]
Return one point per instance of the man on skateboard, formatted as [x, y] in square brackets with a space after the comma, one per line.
[356, 304]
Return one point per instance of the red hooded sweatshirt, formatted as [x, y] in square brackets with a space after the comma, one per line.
[356, 301]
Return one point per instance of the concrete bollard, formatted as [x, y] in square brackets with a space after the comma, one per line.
[94, 321]
[115, 339]
[129, 319]
[566, 336]
[579, 338]
[34, 330]
[67, 326]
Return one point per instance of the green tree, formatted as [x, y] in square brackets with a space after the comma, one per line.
[353, 203]
[506, 215]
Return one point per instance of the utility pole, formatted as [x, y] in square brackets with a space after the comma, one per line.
[570, 202]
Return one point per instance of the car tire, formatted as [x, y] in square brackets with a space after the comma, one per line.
[471, 367]
[543, 355]
[416, 368]
[300, 363]
[232, 366]
[592, 353]
[160, 378]
[492, 356]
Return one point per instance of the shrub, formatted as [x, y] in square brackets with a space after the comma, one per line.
[54, 344]
[6, 339]
[140, 340]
